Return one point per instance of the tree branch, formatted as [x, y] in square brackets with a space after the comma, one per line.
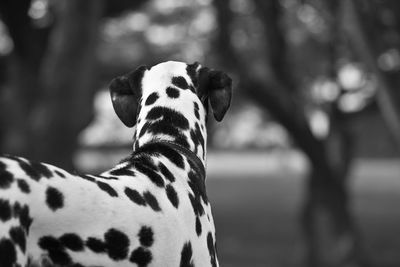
[358, 37]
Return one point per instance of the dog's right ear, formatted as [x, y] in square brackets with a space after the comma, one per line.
[125, 93]
[217, 85]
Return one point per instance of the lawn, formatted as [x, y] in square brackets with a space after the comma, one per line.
[257, 217]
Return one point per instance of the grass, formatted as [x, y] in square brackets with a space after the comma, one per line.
[257, 219]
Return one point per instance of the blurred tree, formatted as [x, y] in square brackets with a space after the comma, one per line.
[364, 24]
[67, 80]
[23, 71]
[51, 82]
[331, 233]
[52, 74]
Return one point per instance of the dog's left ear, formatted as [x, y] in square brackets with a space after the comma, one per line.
[125, 94]
[219, 89]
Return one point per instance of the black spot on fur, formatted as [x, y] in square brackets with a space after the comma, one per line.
[144, 159]
[59, 256]
[197, 184]
[60, 174]
[191, 88]
[24, 218]
[174, 156]
[107, 177]
[122, 172]
[87, 177]
[49, 242]
[144, 128]
[23, 186]
[166, 173]
[180, 82]
[117, 244]
[211, 249]
[199, 172]
[8, 254]
[29, 170]
[135, 196]
[6, 178]
[172, 92]
[41, 169]
[151, 201]
[195, 140]
[200, 136]
[17, 235]
[141, 256]
[96, 245]
[186, 255]
[151, 174]
[54, 198]
[72, 242]
[164, 150]
[5, 210]
[16, 209]
[107, 188]
[197, 137]
[198, 226]
[182, 140]
[196, 204]
[172, 195]
[146, 236]
[196, 110]
[164, 127]
[55, 249]
[169, 115]
[151, 99]
[34, 170]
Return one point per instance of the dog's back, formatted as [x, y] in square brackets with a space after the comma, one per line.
[101, 220]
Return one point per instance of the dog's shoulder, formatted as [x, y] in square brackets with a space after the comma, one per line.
[17, 167]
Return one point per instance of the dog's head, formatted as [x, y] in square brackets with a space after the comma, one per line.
[174, 80]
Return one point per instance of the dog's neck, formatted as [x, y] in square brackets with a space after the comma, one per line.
[181, 121]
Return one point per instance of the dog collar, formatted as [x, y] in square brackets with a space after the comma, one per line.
[197, 164]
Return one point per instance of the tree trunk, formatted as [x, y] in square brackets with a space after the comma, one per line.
[330, 231]
[68, 82]
[326, 212]
[21, 90]
[359, 38]
[331, 234]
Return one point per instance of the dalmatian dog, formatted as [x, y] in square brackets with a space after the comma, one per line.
[150, 210]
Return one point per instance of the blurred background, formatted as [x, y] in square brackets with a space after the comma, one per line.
[303, 171]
